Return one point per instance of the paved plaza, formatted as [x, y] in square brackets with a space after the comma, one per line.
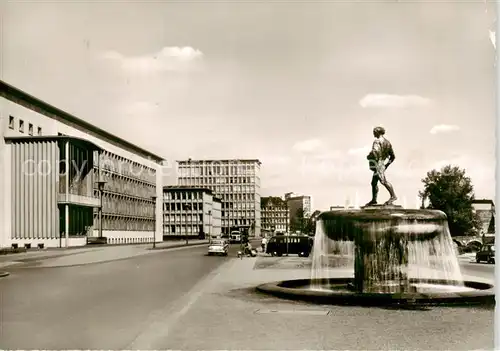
[182, 299]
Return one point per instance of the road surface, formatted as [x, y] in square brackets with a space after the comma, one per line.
[163, 301]
[97, 306]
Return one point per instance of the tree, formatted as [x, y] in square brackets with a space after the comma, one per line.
[299, 221]
[452, 192]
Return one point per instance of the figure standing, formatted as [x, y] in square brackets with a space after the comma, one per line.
[381, 151]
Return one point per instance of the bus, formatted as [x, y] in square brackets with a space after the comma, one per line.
[235, 236]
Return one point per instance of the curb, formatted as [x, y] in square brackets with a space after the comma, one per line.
[4, 274]
[175, 246]
[105, 261]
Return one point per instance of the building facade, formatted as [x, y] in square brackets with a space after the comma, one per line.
[216, 217]
[300, 209]
[54, 169]
[485, 209]
[190, 212]
[235, 182]
[274, 215]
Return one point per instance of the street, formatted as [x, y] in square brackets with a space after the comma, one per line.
[97, 306]
[185, 299]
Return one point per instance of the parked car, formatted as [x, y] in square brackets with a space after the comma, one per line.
[284, 244]
[218, 247]
[486, 253]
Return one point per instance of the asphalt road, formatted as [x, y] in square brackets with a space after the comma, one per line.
[481, 270]
[97, 306]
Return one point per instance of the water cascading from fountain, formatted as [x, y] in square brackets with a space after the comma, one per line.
[388, 254]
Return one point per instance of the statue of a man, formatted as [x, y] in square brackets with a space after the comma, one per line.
[381, 151]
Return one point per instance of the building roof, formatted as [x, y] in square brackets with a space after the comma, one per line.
[8, 91]
[169, 188]
[220, 161]
[483, 201]
[74, 140]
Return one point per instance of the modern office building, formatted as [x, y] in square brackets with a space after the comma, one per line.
[54, 169]
[235, 182]
[299, 207]
[190, 212]
[274, 215]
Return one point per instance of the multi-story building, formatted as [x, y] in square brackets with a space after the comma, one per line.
[485, 209]
[190, 212]
[274, 215]
[300, 209]
[235, 182]
[54, 170]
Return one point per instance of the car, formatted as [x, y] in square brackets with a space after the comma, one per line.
[218, 247]
[486, 253]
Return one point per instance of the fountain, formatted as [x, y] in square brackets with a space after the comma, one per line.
[401, 256]
[396, 255]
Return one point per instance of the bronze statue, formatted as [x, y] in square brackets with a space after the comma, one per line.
[381, 151]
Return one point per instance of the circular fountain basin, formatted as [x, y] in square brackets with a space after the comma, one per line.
[336, 291]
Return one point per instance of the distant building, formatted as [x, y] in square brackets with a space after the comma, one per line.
[299, 207]
[274, 214]
[485, 208]
[216, 217]
[235, 182]
[190, 212]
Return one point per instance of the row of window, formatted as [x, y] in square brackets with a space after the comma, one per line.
[183, 219]
[119, 204]
[244, 188]
[121, 165]
[125, 185]
[183, 195]
[194, 206]
[125, 224]
[21, 126]
[178, 230]
[216, 170]
[220, 180]
[274, 209]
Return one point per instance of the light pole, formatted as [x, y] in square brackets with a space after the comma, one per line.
[186, 207]
[154, 221]
[209, 226]
[100, 186]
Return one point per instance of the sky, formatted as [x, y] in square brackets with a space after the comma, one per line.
[298, 85]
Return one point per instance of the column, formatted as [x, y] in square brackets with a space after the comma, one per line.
[66, 207]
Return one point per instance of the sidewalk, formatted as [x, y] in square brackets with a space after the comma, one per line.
[89, 254]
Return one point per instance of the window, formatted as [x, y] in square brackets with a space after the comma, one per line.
[30, 129]
[11, 122]
[39, 132]
[21, 126]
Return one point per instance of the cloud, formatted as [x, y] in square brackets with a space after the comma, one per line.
[395, 101]
[308, 145]
[167, 59]
[444, 128]
[359, 151]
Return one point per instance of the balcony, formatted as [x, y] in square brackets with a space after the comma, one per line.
[76, 173]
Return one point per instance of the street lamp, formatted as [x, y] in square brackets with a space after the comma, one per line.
[187, 207]
[100, 187]
[210, 225]
[154, 221]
